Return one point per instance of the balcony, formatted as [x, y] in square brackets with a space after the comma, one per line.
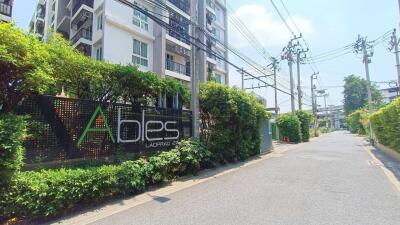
[78, 3]
[179, 27]
[6, 8]
[82, 34]
[177, 67]
[183, 5]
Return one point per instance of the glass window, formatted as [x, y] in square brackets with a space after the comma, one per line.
[220, 15]
[140, 56]
[140, 20]
[99, 53]
[218, 78]
[100, 22]
[220, 34]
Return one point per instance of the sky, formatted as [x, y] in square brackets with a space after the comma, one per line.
[326, 25]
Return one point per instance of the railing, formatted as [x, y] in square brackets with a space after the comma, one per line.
[177, 67]
[82, 33]
[79, 3]
[183, 5]
[5, 9]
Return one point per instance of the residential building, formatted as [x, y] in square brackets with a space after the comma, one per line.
[389, 94]
[111, 31]
[6, 10]
[212, 15]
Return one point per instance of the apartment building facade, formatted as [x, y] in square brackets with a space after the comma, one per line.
[111, 31]
[6, 10]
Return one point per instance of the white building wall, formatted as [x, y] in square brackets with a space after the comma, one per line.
[119, 32]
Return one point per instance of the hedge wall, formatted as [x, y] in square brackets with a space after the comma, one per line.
[305, 122]
[357, 122]
[231, 120]
[386, 125]
[290, 126]
[12, 134]
[47, 193]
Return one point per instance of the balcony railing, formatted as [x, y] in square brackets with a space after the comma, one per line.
[183, 5]
[6, 9]
[82, 33]
[79, 3]
[177, 67]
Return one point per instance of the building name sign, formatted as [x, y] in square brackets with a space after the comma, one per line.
[154, 133]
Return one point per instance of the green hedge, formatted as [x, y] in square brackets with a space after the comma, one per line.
[231, 120]
[305, 122]
[12, 134]
[357, 122]
[386, 125]
[46, 193]
[29, 66]
[289, 126]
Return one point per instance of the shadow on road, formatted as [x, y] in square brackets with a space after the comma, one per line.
[391, 164]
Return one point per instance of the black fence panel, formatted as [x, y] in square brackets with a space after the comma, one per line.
[63, 129]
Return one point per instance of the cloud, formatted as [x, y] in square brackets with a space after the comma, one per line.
[269, 30]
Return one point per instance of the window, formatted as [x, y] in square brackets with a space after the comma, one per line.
[218, 78]
[100, 22]
[220, 34]
[99, 53]
[220, 16]
[139, 56]
[140, 20]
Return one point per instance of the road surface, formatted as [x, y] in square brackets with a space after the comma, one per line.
[331, 180]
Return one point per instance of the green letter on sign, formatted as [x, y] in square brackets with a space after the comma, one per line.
[97, 112]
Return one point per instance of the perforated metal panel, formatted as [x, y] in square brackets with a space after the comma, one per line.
[57, 124]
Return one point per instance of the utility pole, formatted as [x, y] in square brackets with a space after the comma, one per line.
[300, 55]
[394, 44]
[287, 53]
[274, 65]
[194, 100]
[364, 47]
[314, 102]
[242, 72]
[325, 109]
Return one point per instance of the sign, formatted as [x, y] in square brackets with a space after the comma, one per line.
[68, 128]
[164, 132]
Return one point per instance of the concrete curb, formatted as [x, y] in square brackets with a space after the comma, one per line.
[388, 151]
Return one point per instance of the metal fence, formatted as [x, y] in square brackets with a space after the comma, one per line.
[63, 129]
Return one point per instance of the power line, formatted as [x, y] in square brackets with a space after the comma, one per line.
[210, 51]
[283, 19]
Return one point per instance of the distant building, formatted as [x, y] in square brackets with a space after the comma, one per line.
[389, 94]
[334, 114]
[6, 10]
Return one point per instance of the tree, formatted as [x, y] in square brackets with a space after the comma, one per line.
[356, 95]
[24, 67]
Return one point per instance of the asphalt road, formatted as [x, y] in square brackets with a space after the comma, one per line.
[331, 180]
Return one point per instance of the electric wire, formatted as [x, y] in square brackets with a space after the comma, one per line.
[196, 40]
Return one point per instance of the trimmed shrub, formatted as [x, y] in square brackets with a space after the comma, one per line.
[12, 134]
[46, 193]
[305, 122]
[290, 126]
[358, 122]
[386, 125]
[230, 122]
